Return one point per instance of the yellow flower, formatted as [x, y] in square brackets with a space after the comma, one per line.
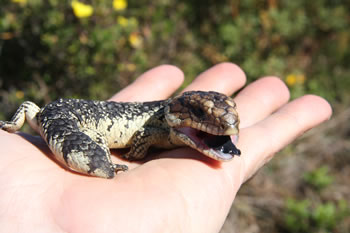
[131, 67]
[81, 10]
[122, 21]
[22, 2]
[19, 94]
[293, 79]
[120, 5]
[135, 40]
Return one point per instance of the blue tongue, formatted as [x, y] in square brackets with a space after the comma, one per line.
[229, 148]
[222, 143]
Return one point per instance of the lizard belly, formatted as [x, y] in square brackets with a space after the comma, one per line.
[119, 132]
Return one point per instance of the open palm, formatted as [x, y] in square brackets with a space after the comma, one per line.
[175, 191]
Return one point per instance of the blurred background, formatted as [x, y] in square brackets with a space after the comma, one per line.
[92, 49]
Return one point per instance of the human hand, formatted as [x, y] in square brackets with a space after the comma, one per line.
[178, 190]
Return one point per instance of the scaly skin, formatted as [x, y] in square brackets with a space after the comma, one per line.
[80, 132]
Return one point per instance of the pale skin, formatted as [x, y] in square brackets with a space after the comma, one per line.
[174, 191]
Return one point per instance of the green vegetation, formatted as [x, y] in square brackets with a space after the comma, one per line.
[301, 216]
[319, 178]
[297, 215]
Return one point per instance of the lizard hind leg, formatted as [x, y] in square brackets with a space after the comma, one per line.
[100, 140]
[82, 150]
[27, 111]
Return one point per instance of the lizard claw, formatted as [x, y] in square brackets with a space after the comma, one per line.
[120, 167]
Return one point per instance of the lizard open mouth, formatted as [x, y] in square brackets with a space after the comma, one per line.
[218, 147]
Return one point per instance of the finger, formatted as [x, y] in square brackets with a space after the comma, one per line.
[260, 98]
[225, 78]
[272, 134]
[155, 84]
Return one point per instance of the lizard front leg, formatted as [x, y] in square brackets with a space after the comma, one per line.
[143, 139]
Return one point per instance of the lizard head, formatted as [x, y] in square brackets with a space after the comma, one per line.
[205, 121]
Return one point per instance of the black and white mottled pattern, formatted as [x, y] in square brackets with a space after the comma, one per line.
[80, 132]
